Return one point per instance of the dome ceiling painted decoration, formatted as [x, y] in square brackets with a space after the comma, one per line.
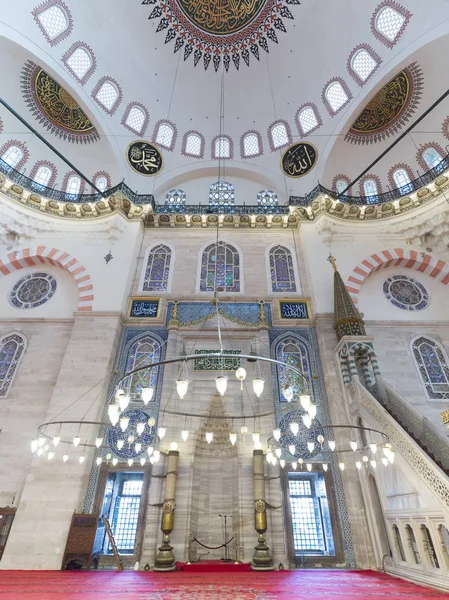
[390, 108]
[54, 107]
[215, 30]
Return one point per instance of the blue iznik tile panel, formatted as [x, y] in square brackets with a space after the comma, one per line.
[243, 313]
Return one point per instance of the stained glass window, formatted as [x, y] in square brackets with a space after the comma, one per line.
[251, 145]
[293, 352]
[282, 273]
[220, 267]
[389, 23]
[12, 347]
[402, 180]
[336, 96]
[432, 158]
[433, 368]
[158, 269]
[33, 290]
[175, 199]
[144, 351]
[406, 293]
[221, 193]
[108, 95]
[13, 156]
[279, 135]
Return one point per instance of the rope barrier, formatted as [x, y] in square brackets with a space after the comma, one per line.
[213, 547]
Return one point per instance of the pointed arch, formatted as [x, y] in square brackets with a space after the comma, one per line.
[283, 274]
[158, 268]
[432, 364]
[31, 257]
[408, 259]
[12, 349]
[224, 264]
[293, 350]
[144, 349]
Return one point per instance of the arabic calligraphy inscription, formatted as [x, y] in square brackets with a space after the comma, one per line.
[294, 309]
[144, 309]
[299, 159]
[227, 363]
[221, 17]
[144, 158]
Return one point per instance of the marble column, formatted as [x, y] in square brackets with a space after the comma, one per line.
[165, 560]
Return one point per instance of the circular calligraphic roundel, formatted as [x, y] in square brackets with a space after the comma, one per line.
[144, 158]
[299, 159]
[221, 17]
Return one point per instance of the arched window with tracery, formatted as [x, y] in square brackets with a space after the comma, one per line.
[267, 201]
[42, 176]
[175, 200]
[14, 154]
[401, 179]
[282, 272]
[157, 270]
[398, 543]
[193, 144]
[431, 158]
[164, 134]
[279, 135]
[251, 144]
[221, 193]
[12, 348]
[292, 351]
[220, 268]
[432, 364]
[80, 61]
[145, 350]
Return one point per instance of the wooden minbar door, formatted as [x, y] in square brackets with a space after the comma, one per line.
[6, 518]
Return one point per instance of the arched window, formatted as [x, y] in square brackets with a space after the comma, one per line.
[221, 194]
[135, 118]
[412, 544]
[432, 158]
[431, 362]
[43, 176]
[144, 351]
[370, 187]
[336, 96]
[292, 351]
[101, 182]
[12, 347]
[398, 543]
[222, 147]
[402, 180]
[429, 548]
[220, 268]
[267, 201]
[362, 64]
[341, 185]
[282, 272]
[251, 145]
[55, 21]
[444, 539]
[164, 135]
[158, 269]
[193, 144]
[108, 94]
[79, 59]
[13, 155]
[175, 199]
[307, 119]
[389, 23]
[73, 186]
[279, 135]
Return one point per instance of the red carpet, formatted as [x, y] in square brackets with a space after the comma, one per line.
[284, 585]
[213, 566]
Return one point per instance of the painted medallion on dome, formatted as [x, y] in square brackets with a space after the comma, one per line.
[219, 31]
[54, 107]
[390, 108]
[299, 159]
[144, 158]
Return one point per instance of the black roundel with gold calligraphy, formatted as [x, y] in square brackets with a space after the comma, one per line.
[221, 17]
[299, 159]
[144, 158]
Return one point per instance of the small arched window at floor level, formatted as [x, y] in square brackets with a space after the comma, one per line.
[73, 186]
[12, 156]
[220, 269]
[433, 368]
[157, 270]
[398, 543]
[282, 272]
[43, 176]
[432, 158]
[402, 181]
[12, 348]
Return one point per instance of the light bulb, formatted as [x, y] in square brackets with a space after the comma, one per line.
[151, 421]
[373, 448]
[257, 445]
[138, 447]
[278, 452]
[65, 457]
[385, 461]
[140, 427]
[173, 446]
[81, 459]
[50, 455]
[56, 440]
[301, 461]
[256, 436]
[391, 457]
[240, 373]
[161, 432]
[258, 385]
[123, 401]
[150, 450]
[143, 461]
[294, 427]
[130, 462]
[114, 462]
[182, 385]
[40, 451]
[113, 413]
[325, 466]
[233, 438]
[332, 445]
[222, 383]
[120, 444]
[156, 455]
[373, 463]
[358, 464]
[353, 445]
[98, 441]
[342, 466]
[41, 442]
[124, 422]
[98, 461]
[287, 392]
[312, 411]
[320, 439]
[147, 394]
[305, 401]
[365, 458]
[185, 435]
[209, 436]
[294, 466]
[311, 446]
[277, 434]
[309, 467]
[119, 393]
[292, 449]
[76, 440]
[282, 463]
[307, 420]
[34, 446]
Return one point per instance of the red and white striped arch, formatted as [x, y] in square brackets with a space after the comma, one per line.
[408, 259]
[31, 257]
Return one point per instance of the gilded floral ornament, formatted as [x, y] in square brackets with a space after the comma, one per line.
[54, 107]
[216, 30]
